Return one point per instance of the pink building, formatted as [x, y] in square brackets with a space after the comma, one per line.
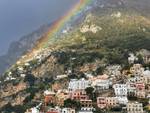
[137, 89]
[101, 102]
[79, 95]
[140, 86]
[140, 90]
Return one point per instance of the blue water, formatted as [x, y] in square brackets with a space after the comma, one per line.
[20, 17]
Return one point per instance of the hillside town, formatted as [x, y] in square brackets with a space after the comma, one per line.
[93, 58]
[117, 90]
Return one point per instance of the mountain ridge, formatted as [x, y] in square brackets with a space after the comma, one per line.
[19, 48]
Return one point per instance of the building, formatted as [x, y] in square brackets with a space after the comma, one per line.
[86, 103]
[102, 85]
[68, 110]
[86, 110]
[101, 102]
[136, 90]
[113, 70]
[61, 96]
[32, 110]
[58, 77]
[120, 90]
[53, 110]
[78, 95]
[132, 58]
[146, 76]
[137, 69]
[140, 90]
[81, 84]
[140, 94]
[134, 107]
[101, 82]
[111, 101]
[49, 97]
[122, 100]
[145, 55]
[131, 88]
[107, 102]
[140, 86]
[136, 79]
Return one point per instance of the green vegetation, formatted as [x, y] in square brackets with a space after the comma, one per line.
[30, 79]
[8, 108]
[72, 104]
[90, 92]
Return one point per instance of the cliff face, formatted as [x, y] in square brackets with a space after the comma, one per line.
[106, 35]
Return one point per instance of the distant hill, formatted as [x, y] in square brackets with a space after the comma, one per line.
[18, 48]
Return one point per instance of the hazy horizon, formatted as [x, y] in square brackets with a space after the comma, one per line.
[21, 17]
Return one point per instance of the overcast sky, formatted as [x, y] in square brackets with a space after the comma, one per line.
[20, 17]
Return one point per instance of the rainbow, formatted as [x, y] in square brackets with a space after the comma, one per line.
[62, 21]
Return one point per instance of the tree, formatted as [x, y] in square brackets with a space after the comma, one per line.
[29, 98]
[72, 104]
[99, 70]
[7, 108]
[117, 109]
[140, 59]
[90, 92]
[30, 79]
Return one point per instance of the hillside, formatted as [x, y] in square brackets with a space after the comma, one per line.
[102, 7]
[101, 39]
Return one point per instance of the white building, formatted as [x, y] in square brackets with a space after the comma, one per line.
[22, 75]
[102, 84]
[146, 76]
[113, 70]
[48, 92]
[145, 54]
[20, 69]
[33, 110]
[131, 88]
[78, 84]
[122, 100]
[132, 58]
[9, 78]
[146, 73]
[120, 90]
[86, 110]
[68, 110]
[58, 77]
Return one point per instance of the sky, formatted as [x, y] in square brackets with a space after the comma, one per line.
[21, 17]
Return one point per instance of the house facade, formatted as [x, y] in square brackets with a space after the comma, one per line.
[78, 95]
[134, 107]
[86, 103]
[120, 90]
[107, 102]
[81, 84]
[49, 97]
